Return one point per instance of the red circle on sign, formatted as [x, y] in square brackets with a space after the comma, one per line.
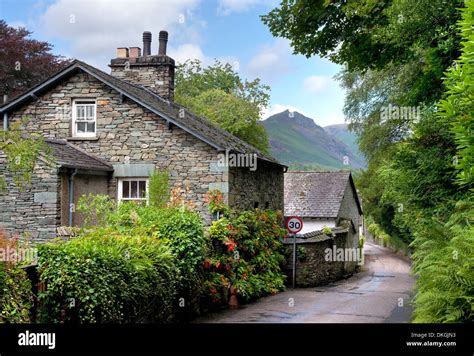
[294, 224]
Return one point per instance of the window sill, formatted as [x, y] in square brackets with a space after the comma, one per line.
[82, 138]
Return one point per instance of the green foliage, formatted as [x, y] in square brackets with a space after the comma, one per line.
[373, 34]
[158, 189]
[16, 297]
[218, 93]
[95, 208]
[183, 229]
[444, 262]
[247, 254]
[458, 107]
[22, 154]
[105, 276]
[215, 202]
[301, 253]
[138, 263]
[327, 230]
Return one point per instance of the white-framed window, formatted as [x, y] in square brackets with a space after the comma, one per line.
[133, 189]
[84, 118]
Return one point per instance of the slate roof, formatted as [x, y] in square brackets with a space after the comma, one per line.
[172, 112]
[316, 194]
[67, 155]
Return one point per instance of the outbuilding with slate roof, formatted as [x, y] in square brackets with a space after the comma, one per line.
[322, 199]
[109, 132]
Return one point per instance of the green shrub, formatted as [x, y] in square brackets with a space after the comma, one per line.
[105, 276]
[180, 229]
[16, 297]
[184, 231]
[444, 263]
[246, 253]
[327, 230]
[158, 188]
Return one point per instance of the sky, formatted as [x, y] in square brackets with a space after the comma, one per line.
[228, 30]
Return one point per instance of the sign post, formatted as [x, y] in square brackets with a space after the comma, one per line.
[294, 225]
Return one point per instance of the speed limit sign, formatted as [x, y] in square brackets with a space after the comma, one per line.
[294, 224]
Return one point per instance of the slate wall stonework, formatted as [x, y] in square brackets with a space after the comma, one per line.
[348, 209]
[153, 72]
[313, 270]
[263, 186]
[34, 211]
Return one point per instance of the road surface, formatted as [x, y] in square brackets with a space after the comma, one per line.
[380, 293]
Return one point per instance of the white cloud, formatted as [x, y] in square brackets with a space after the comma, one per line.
[187, 51]
[94, 28]
[317, 83]
[227, 7]
[271, 61]
[277, 108]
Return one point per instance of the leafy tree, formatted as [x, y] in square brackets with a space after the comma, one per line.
[20, 154]
[458, 107]
[218, 93]
[24, 62]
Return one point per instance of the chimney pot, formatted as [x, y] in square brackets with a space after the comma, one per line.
[135, 52]
[146, 43]
[122, 52]
[163, 39]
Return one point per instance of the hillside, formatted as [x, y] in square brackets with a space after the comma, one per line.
[298, 142]
[342, 133]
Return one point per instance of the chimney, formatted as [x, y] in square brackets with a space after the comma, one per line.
[146, 43]
[135, 52]
[154, 72]
[163, 39]
[122, 52]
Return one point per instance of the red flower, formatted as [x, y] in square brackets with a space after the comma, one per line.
[207, 264]
[213, 291]
[218, 265]
[215, 300]
[230, 245]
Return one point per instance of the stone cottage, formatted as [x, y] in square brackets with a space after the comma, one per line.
[107, 133]
[322, 199]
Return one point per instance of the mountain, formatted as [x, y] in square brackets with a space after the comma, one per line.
[343, 134]
[297, 141]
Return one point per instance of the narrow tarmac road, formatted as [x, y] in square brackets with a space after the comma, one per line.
[380, 293]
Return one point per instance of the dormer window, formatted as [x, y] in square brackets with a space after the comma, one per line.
[84, 118]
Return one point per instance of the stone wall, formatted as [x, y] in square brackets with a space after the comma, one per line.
[312, 269]
[263, 186]
[34, 211]
[153, 72]
[348, 209]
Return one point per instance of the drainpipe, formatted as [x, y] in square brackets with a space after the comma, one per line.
[71, 195]
[5, 121]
